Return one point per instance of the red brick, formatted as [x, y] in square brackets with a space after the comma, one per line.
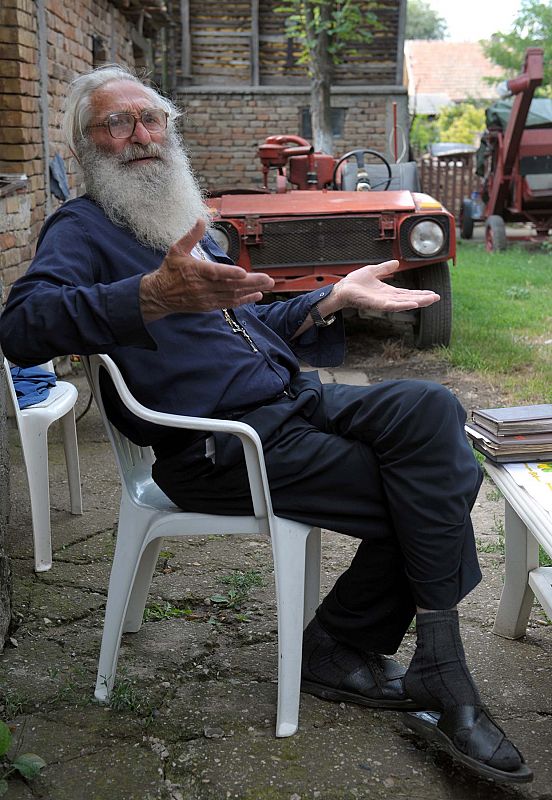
[20, 135]
[7, 240]
[17, 86]
[18, 19]
[19, 152]
[17, 52]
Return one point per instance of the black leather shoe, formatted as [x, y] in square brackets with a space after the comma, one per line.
[335, 672]
[471, 736]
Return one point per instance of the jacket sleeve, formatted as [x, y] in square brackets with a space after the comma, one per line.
[319, 347]
[61, 306]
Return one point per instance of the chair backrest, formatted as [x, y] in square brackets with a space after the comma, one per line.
[130, 457]
[135, 462]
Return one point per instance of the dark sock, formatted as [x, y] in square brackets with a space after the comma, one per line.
[326, 659]
[438, 676]
[439, 679]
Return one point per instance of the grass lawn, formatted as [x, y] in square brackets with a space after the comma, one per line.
[502, 324]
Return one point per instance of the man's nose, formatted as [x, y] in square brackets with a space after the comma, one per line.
[141, 134]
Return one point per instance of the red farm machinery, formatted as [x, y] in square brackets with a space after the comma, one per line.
[515, 162]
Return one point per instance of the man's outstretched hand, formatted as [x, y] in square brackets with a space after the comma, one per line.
[365, 288]
[184, 283]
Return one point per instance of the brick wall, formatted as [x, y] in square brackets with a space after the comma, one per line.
[223, 128]
[67, 37]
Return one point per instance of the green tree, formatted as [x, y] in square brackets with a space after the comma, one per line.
[461, 123]
[532, 27]
[326, 29]
[423, 22]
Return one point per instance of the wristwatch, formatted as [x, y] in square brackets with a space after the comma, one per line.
[318, 319]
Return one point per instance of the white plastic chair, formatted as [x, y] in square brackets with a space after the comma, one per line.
[33, 423]
[147, 515]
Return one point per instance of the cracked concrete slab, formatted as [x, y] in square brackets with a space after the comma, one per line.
[193, 712]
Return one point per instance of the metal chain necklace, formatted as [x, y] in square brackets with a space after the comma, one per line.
[237, 328]
[231, 320]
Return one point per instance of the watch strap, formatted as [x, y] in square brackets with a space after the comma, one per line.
[318, 319]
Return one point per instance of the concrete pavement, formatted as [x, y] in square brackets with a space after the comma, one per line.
[193, 714]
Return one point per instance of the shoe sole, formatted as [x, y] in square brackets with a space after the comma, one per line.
[341, 696]
[425, 724]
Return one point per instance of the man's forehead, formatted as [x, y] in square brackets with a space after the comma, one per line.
[120, 96]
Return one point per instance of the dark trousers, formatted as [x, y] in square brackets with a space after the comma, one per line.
[389, 464]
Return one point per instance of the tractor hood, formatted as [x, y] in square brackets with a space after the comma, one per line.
[317, 202]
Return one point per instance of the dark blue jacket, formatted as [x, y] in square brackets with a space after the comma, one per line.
[81, 295]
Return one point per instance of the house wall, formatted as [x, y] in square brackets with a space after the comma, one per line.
[44, 44]
[224, 127]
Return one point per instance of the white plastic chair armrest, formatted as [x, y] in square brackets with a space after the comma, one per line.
[251, 442]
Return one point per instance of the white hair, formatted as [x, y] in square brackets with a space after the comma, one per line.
[78, 107]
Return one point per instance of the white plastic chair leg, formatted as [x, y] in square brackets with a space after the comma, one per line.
[69, 432]
[141, 587]
[35, 440]
[289, 547]
[312, 575]
[125, 566]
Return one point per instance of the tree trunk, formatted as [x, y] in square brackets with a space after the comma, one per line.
[5, 574]
[321, 69]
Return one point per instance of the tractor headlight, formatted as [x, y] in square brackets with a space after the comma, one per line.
[221, 238]
[427, 238]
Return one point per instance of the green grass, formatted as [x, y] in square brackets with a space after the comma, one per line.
[503, 318]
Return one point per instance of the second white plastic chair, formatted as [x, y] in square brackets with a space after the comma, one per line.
[147, 515]
[33, 423]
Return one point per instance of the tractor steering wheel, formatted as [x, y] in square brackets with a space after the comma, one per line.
[359, 156]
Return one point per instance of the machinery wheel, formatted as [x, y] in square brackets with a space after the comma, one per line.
[495, 233]
[466, 219]
[433, 324]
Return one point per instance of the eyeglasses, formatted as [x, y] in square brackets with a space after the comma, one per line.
[123, 124]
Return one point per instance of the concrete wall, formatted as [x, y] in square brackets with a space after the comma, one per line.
[224, 127]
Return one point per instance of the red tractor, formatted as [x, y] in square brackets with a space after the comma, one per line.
[317, 218]
[515, 161]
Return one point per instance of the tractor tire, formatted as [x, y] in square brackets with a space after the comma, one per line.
[495, 234]
[466, 219]
[433, 324]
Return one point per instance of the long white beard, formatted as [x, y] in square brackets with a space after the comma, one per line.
[158, 200]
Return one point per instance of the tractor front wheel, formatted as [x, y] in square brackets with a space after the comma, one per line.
[495, 234]
[466, 219]
[433, 324]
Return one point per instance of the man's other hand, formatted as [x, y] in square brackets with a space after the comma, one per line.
[365, 288]
[184, 283]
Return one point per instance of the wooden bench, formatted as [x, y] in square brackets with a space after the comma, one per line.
[527, 524]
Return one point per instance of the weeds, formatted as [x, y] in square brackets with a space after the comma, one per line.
[498, 526]
[241, 584]
[28, 765]
[491, 547]
[158, 611]
[75, 690]
[12, 704]
[125, 697]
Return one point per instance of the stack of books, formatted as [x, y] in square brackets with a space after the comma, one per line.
[517, 433]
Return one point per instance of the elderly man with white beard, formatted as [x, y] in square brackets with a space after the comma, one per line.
[128, 269]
